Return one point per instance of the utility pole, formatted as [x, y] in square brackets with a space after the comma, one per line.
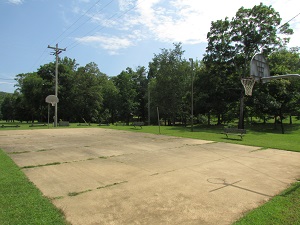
[149, 111]
[57, 51]
[192, 97]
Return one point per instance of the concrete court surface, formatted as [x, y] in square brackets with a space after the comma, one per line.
[103, 176]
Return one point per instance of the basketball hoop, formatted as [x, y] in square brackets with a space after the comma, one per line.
[52, 99]
[248, 84]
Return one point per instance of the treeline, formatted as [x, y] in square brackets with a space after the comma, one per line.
[85, 93]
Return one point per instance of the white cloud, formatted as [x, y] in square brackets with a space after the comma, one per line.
[288, 9]
[112, 44]
[4, 82]
[126, 4]
[186, 21]
[16, 2]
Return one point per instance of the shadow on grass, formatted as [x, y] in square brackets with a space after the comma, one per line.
[291, 190]
[197, 128]
[232, 139]
[271, 128]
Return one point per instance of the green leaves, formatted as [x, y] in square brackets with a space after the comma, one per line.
[172, 75]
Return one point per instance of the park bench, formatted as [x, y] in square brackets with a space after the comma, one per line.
[64, 123]
[85, 124]
[120, 124]
[3, 126]
[37, 125]
[103, 124]
[138, 124]
[234, 131]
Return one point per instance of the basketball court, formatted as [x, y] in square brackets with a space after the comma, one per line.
[103, 176]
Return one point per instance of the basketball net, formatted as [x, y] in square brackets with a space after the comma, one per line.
[248, 84]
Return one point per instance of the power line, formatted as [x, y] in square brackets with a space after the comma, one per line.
[42, 57]
[260, 49]
[76, 43]
[76, 22]
[88, 18]
[39, 59]
[289, 20]
[102, 28]
[6, 79]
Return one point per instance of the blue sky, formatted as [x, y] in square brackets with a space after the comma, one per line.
[114, 34]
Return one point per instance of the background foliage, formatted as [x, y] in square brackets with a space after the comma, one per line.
[87, 94]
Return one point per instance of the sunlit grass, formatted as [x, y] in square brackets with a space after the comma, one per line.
[282, 209]
[20, 201]
[255, 136]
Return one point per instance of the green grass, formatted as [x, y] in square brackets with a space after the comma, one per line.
[264, 136]
[282, 209]
[20, 201]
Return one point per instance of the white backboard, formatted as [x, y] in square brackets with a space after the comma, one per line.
[259, 67]
[53, 99]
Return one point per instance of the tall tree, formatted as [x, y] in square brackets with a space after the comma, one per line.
[32, 88]
[250, 31]
[169, 71]
[7, 108]
[87, 100]
[110, 101]
[219, 79]
[141, 83]
[127, 94]
[279, 97]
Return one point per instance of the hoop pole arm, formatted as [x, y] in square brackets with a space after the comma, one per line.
[280, 76]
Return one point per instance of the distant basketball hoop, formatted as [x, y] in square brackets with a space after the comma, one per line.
[52, 99]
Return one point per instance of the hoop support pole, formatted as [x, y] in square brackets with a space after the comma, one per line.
[280, 76]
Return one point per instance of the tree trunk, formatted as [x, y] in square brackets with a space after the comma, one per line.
[291, 120]
[241, 118]
[219, 119]
[281, 124]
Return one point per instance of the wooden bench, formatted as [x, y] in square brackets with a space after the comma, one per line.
[138, 124]
[3, 126]
[86, 124]
[234, 131]
[63, 123]
[103, 124]
[37, 125]
[120, 124]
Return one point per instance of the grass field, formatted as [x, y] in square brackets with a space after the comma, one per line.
[266, 137]
[282, 209]
[20, 201]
